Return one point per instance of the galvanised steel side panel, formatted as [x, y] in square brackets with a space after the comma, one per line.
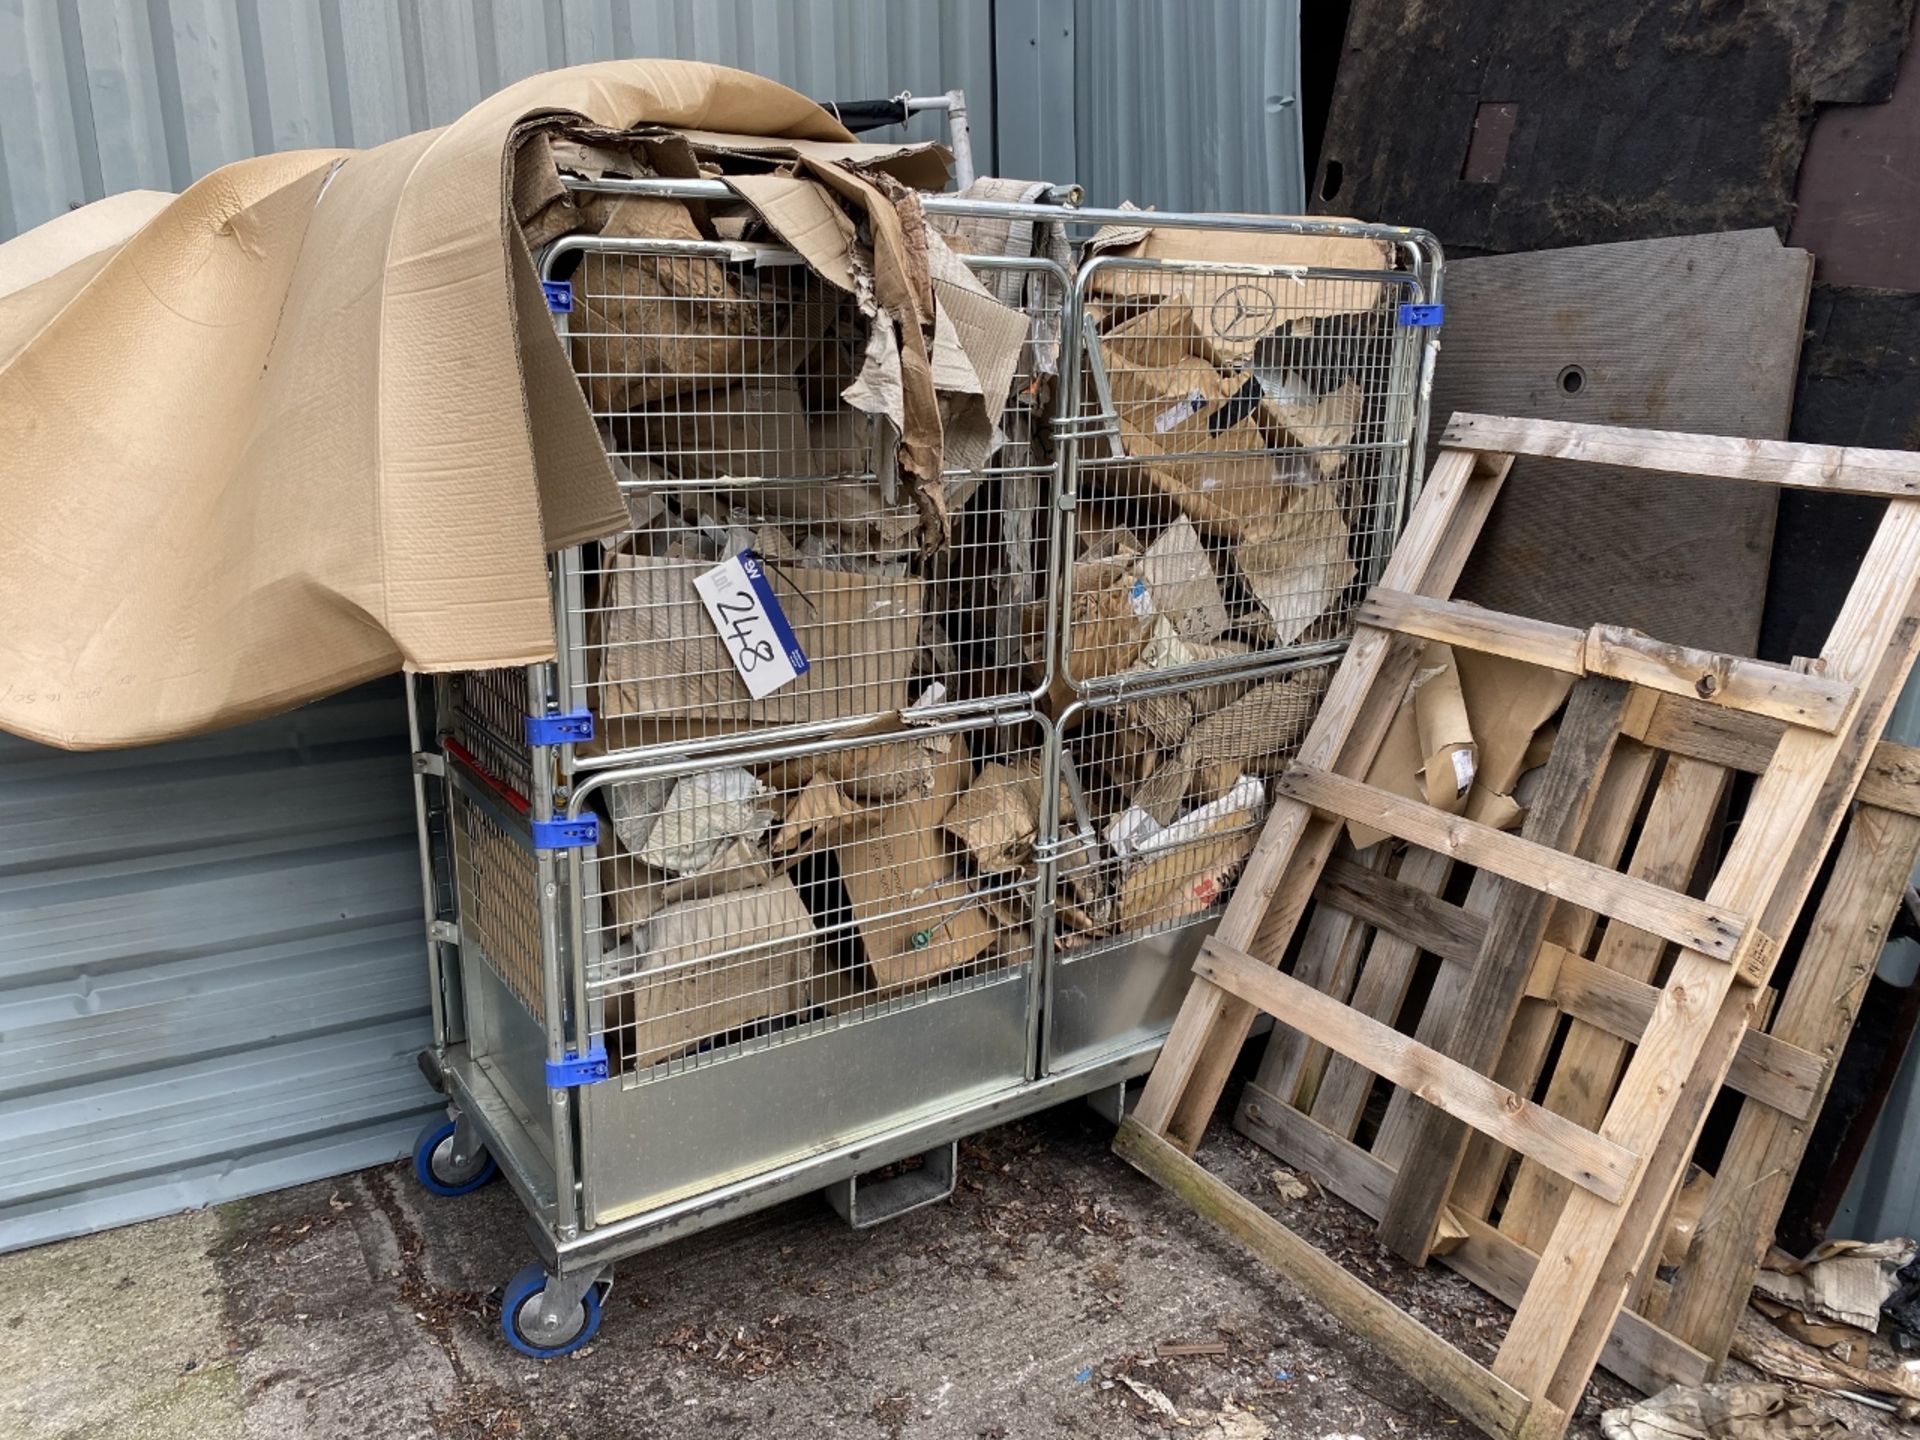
[111, 95]
[211, 979]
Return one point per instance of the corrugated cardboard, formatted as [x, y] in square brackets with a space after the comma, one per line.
[316, 413]
[660, 659]
[1507, 703]
[1234, 313]
[709, 966]
[902, 884]
[1448, 754]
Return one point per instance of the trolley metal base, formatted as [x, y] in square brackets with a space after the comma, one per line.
[471, 1089]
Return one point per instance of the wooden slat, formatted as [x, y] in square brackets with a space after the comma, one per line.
[1790, 819]
[1568, 785]
[1701, 731]
[1747, 742]
[1610, 824]
[1465, 1094]
[1277, 881]
[1729, 681]
[1709, 929]
[1490, 632]
[1766, 1068]
[1468, 1387]
[1841, 951]
[1685, 805]
[1384, 979]
[1892, 781]
[1733, 682]
[1638, 1351]
[1330, 952]
[1838, 469]
[1408, 911]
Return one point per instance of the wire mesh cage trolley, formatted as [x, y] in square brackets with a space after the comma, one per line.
[698, 947]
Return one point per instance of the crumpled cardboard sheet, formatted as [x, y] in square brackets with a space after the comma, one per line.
[1719, 1412]
[707, 966]
[308, 424]
[1844, 1281]
[1507, 703]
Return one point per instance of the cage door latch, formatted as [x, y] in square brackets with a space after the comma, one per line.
[1425, 316]
[568, 727]
[578, 1069]
[581, 833]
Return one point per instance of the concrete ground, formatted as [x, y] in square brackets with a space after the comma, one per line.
[1030, 1306]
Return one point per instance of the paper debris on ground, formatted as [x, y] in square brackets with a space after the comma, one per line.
[1155, 1400]
[1766, 1349]
[1719, 1412]
[1845, 1281]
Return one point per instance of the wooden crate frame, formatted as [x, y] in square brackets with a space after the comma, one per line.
[1809, 731]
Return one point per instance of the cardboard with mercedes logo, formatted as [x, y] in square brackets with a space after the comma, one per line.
[1235, 316]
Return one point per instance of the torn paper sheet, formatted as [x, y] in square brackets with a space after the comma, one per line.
[1507, 704]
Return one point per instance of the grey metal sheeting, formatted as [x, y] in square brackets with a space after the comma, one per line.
[110, 95]
[212, 968]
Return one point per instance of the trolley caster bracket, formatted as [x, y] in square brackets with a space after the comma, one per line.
[865, 1203]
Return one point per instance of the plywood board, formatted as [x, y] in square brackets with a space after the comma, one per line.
[1697, 333]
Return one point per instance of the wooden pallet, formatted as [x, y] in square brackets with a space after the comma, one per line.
[1598, 859]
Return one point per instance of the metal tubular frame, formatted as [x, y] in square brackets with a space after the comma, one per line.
[573, 1151]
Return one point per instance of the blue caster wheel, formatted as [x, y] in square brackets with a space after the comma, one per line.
[444, 1172]
[532, 1334]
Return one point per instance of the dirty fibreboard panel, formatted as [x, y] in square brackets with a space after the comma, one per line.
[1506, 125]
[1697, 333]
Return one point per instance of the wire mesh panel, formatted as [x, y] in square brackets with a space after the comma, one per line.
[1241, 462]
[487, 718]
[1165, 794]
[719, 375]
[757, 901]
[499, 897]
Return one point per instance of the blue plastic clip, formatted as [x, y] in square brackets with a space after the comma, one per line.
[569, 726]
[559, 296]
[587, 1069]
[562, 834]
[1423, 315]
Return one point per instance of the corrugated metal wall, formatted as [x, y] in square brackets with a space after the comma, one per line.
[1189, 106]
[212, 970]
[98, 96]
